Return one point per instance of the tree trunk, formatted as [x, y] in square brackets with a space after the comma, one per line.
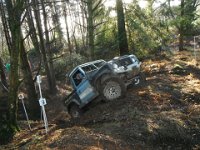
[67, 29]
[5, 25]
[49, 53]
[42, 44]
[76, 43]
[33, 106]
[181, 28]
[122, 38]
[33, 33]
[3, 76]
[15, 10]
[181, 47]
[55, 20]
[82, 22]
[90, 29]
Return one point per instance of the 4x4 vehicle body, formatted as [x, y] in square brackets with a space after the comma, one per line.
[128, 68]
[99, 78]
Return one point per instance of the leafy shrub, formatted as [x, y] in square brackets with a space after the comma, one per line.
[32, 53]
[65, 64]
[142, 53]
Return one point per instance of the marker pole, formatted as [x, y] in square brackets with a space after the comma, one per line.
[21, 96]
[42, 102]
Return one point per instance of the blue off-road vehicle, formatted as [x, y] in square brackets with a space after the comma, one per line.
[101, 79]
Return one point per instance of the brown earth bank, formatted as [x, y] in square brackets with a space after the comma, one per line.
[162, 113]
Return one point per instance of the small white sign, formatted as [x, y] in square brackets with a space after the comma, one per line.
[39, 79]
[42, 101]
[21, 96]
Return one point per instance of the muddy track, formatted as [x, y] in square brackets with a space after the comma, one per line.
[163, 113]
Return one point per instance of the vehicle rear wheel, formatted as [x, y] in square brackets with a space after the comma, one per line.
[112, 88]
[75, 111]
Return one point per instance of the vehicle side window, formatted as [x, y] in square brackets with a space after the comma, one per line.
[89, 68]
[78, 77]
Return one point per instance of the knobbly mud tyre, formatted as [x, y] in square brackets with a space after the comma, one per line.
[112, 88]
[75, 112]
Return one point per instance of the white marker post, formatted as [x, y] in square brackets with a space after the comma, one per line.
[195, 55]
[21, 96]
[196, 45]
[42, 102]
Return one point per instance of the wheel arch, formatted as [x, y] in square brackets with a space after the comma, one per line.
[73, 102]
[99, 81]
[103, 71]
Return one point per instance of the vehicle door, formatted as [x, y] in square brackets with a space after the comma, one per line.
[85, 90]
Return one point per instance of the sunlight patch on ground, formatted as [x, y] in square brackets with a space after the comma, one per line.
[191, 84]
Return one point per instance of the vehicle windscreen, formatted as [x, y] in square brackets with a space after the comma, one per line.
[124, 62]
[99, 64]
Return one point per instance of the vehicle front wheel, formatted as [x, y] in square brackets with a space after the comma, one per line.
[75, 111]
[141, 79]
[112, 88]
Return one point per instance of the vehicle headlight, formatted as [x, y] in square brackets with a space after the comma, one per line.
[121, 68]
[134, 59]
[115, 66]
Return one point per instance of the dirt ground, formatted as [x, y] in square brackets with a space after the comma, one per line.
[163, 113]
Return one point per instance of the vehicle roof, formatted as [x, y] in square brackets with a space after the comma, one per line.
[124, 56]
[92, 62]
[86, 64]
